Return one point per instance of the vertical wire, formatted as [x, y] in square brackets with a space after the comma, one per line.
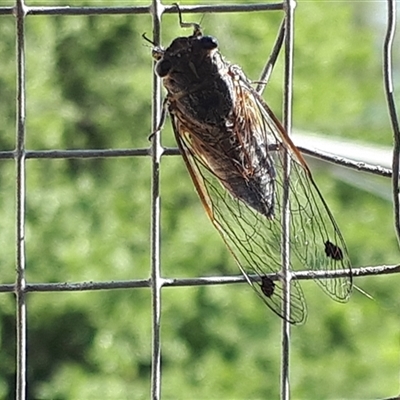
[388, 85]
[20, 286]
[156, 151]
[287, 122]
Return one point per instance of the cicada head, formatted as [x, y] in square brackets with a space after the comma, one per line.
[186, 62]
[195, 76]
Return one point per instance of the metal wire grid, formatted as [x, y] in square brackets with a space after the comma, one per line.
[156, 151]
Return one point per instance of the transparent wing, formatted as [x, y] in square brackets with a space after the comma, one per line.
[315, 239]
[254, 238]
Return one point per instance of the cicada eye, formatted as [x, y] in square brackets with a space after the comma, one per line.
[208, 42]
[163, 67]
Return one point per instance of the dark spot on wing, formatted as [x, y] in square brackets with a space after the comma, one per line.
[267, 286]
[333, 251]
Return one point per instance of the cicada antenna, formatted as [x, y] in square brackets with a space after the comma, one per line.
[147, 39]
[196, 27]
[157, 51]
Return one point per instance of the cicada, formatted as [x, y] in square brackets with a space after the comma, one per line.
[234, 148]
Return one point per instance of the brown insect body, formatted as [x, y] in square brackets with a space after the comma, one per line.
[204, 97]
[234, 148]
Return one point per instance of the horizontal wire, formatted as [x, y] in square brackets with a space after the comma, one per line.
[173, 151]
[92, 153]
[346, 162]
[199, 281]
[67, 10]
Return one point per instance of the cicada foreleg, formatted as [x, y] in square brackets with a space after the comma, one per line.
[163, 117]
[196, 27]
[270, 64]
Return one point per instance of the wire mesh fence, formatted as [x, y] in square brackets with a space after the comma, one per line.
[157, 282]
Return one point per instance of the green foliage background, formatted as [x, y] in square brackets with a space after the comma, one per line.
[89, 86]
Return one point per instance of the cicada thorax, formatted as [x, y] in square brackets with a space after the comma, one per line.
[191, 71]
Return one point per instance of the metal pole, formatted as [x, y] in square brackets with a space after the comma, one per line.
[156, 283]
[287, 123]
[20, 285]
